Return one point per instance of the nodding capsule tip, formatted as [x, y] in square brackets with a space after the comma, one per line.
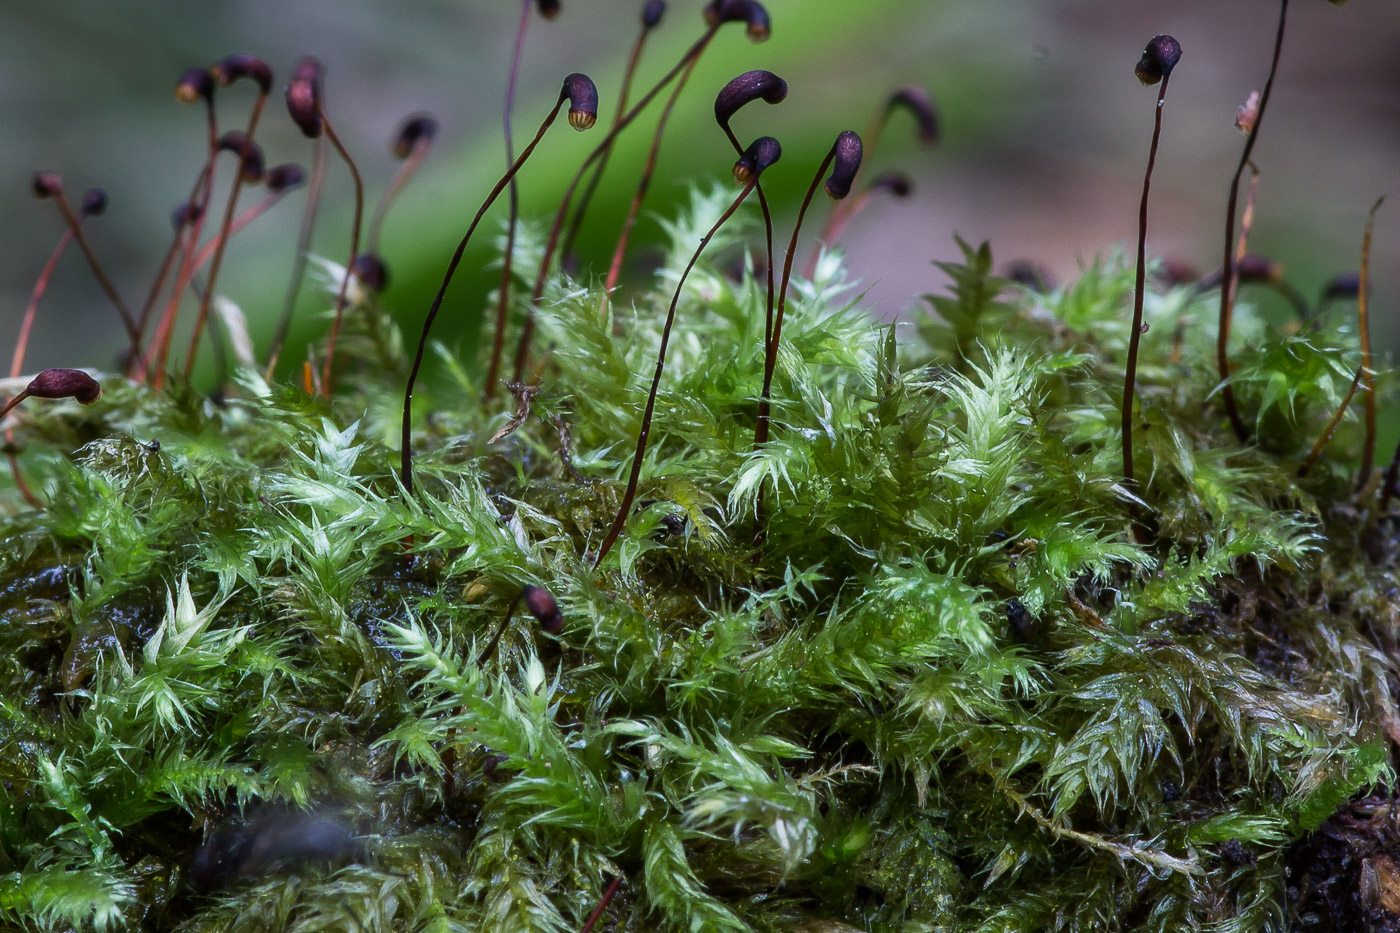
[845, 165]
[549, 9]
[65, 383]
[239, 144]
[761, 154]
[718, 12]
[1030, 274]
[1158, 59]
[94, 202]
[896, 183]
[758, 24]
[243, 65]
[1255, 268]
[284, 177]
[745, 89]
[186, 215]
[583, 100]
[304, 97]
[652, 12]
[544, 607]
[1343, 285]
[194, 84]
[418, 130]
[47, 185]
[918, 102]
[371, 271]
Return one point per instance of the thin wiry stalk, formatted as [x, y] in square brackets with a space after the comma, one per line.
[75, 227]
[229, 208]
[1139, 292]
[770, 353]
[176, 241]
[31, 311]
[770, 350]
[165, 330]
[1222, 346]
[628, 75]
[608, 895]
[635, 474]
[1368, 373]
[406, 435]
[308, 225]
[490, 648]
[503, 291]
[643, 185]
[845, 211]
[354, 248]
[1332, 423]
[401, 178]
[216, 337]
[265, 204]
[768, 241]
[1246, 225]
[522, 351]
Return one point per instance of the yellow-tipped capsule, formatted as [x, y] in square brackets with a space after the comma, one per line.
[194, 84]
[762, 153]
[583, 100]
[1158, 59]
[759, 25]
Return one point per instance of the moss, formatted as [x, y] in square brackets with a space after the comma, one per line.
[951, 690]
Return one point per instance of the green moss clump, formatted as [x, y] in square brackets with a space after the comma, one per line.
[951, 690]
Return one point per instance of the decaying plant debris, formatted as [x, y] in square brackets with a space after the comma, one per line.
[968, 677]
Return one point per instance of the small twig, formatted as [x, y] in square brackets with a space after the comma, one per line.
[566, 443]
[524, 395]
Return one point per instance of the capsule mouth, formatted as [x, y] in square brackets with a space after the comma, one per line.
[582, 119]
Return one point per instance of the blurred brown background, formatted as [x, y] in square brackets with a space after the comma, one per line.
[1045, 132]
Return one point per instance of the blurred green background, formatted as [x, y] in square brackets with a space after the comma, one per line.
[1045, 135]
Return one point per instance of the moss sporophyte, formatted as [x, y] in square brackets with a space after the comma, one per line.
[1011, 617]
